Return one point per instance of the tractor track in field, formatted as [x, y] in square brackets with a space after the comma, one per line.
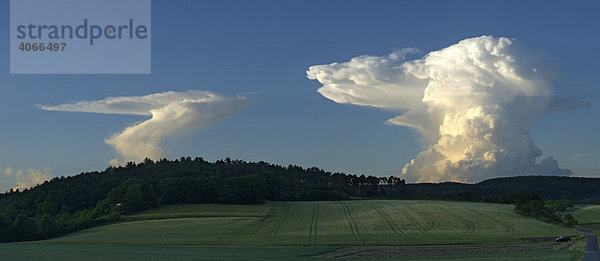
[391, 224]
[414, 222]
[470, 226]
[508, 229]
[430, 224]
[281, 220]
[312, 239]
[353, 226]
[417, 225]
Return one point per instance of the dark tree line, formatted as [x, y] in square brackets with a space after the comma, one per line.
[68, 204]
[494, 190]
[532, 205]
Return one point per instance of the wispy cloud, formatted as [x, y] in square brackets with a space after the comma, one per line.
[172, 113]
[578, 156]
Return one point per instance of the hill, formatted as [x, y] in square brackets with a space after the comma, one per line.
[67, 204]
[548, 187]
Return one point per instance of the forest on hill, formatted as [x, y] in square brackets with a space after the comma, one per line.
[67, 204]
[493, 190]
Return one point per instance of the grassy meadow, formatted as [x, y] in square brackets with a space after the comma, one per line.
[587, 215]
[411, 229]
[336, 223]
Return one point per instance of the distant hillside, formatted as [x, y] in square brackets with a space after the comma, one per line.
[67, 204]
[548, 187]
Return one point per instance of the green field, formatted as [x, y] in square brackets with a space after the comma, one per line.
[588, 218]
[338, 223]
[287, 230]
[587, 215]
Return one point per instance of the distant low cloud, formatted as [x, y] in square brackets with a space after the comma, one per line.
[471, 101]
[8, 171]
[172, 113]
[27, 178]
[32, 177]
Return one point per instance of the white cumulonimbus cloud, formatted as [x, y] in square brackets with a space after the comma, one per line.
[172, 113]
[471, 101]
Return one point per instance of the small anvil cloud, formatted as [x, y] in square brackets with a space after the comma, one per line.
[471, 102]
[172, 113]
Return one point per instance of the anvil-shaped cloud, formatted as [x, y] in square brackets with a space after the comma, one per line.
[172, 113]
[471, 101]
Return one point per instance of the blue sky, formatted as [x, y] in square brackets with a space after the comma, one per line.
[262, 49]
